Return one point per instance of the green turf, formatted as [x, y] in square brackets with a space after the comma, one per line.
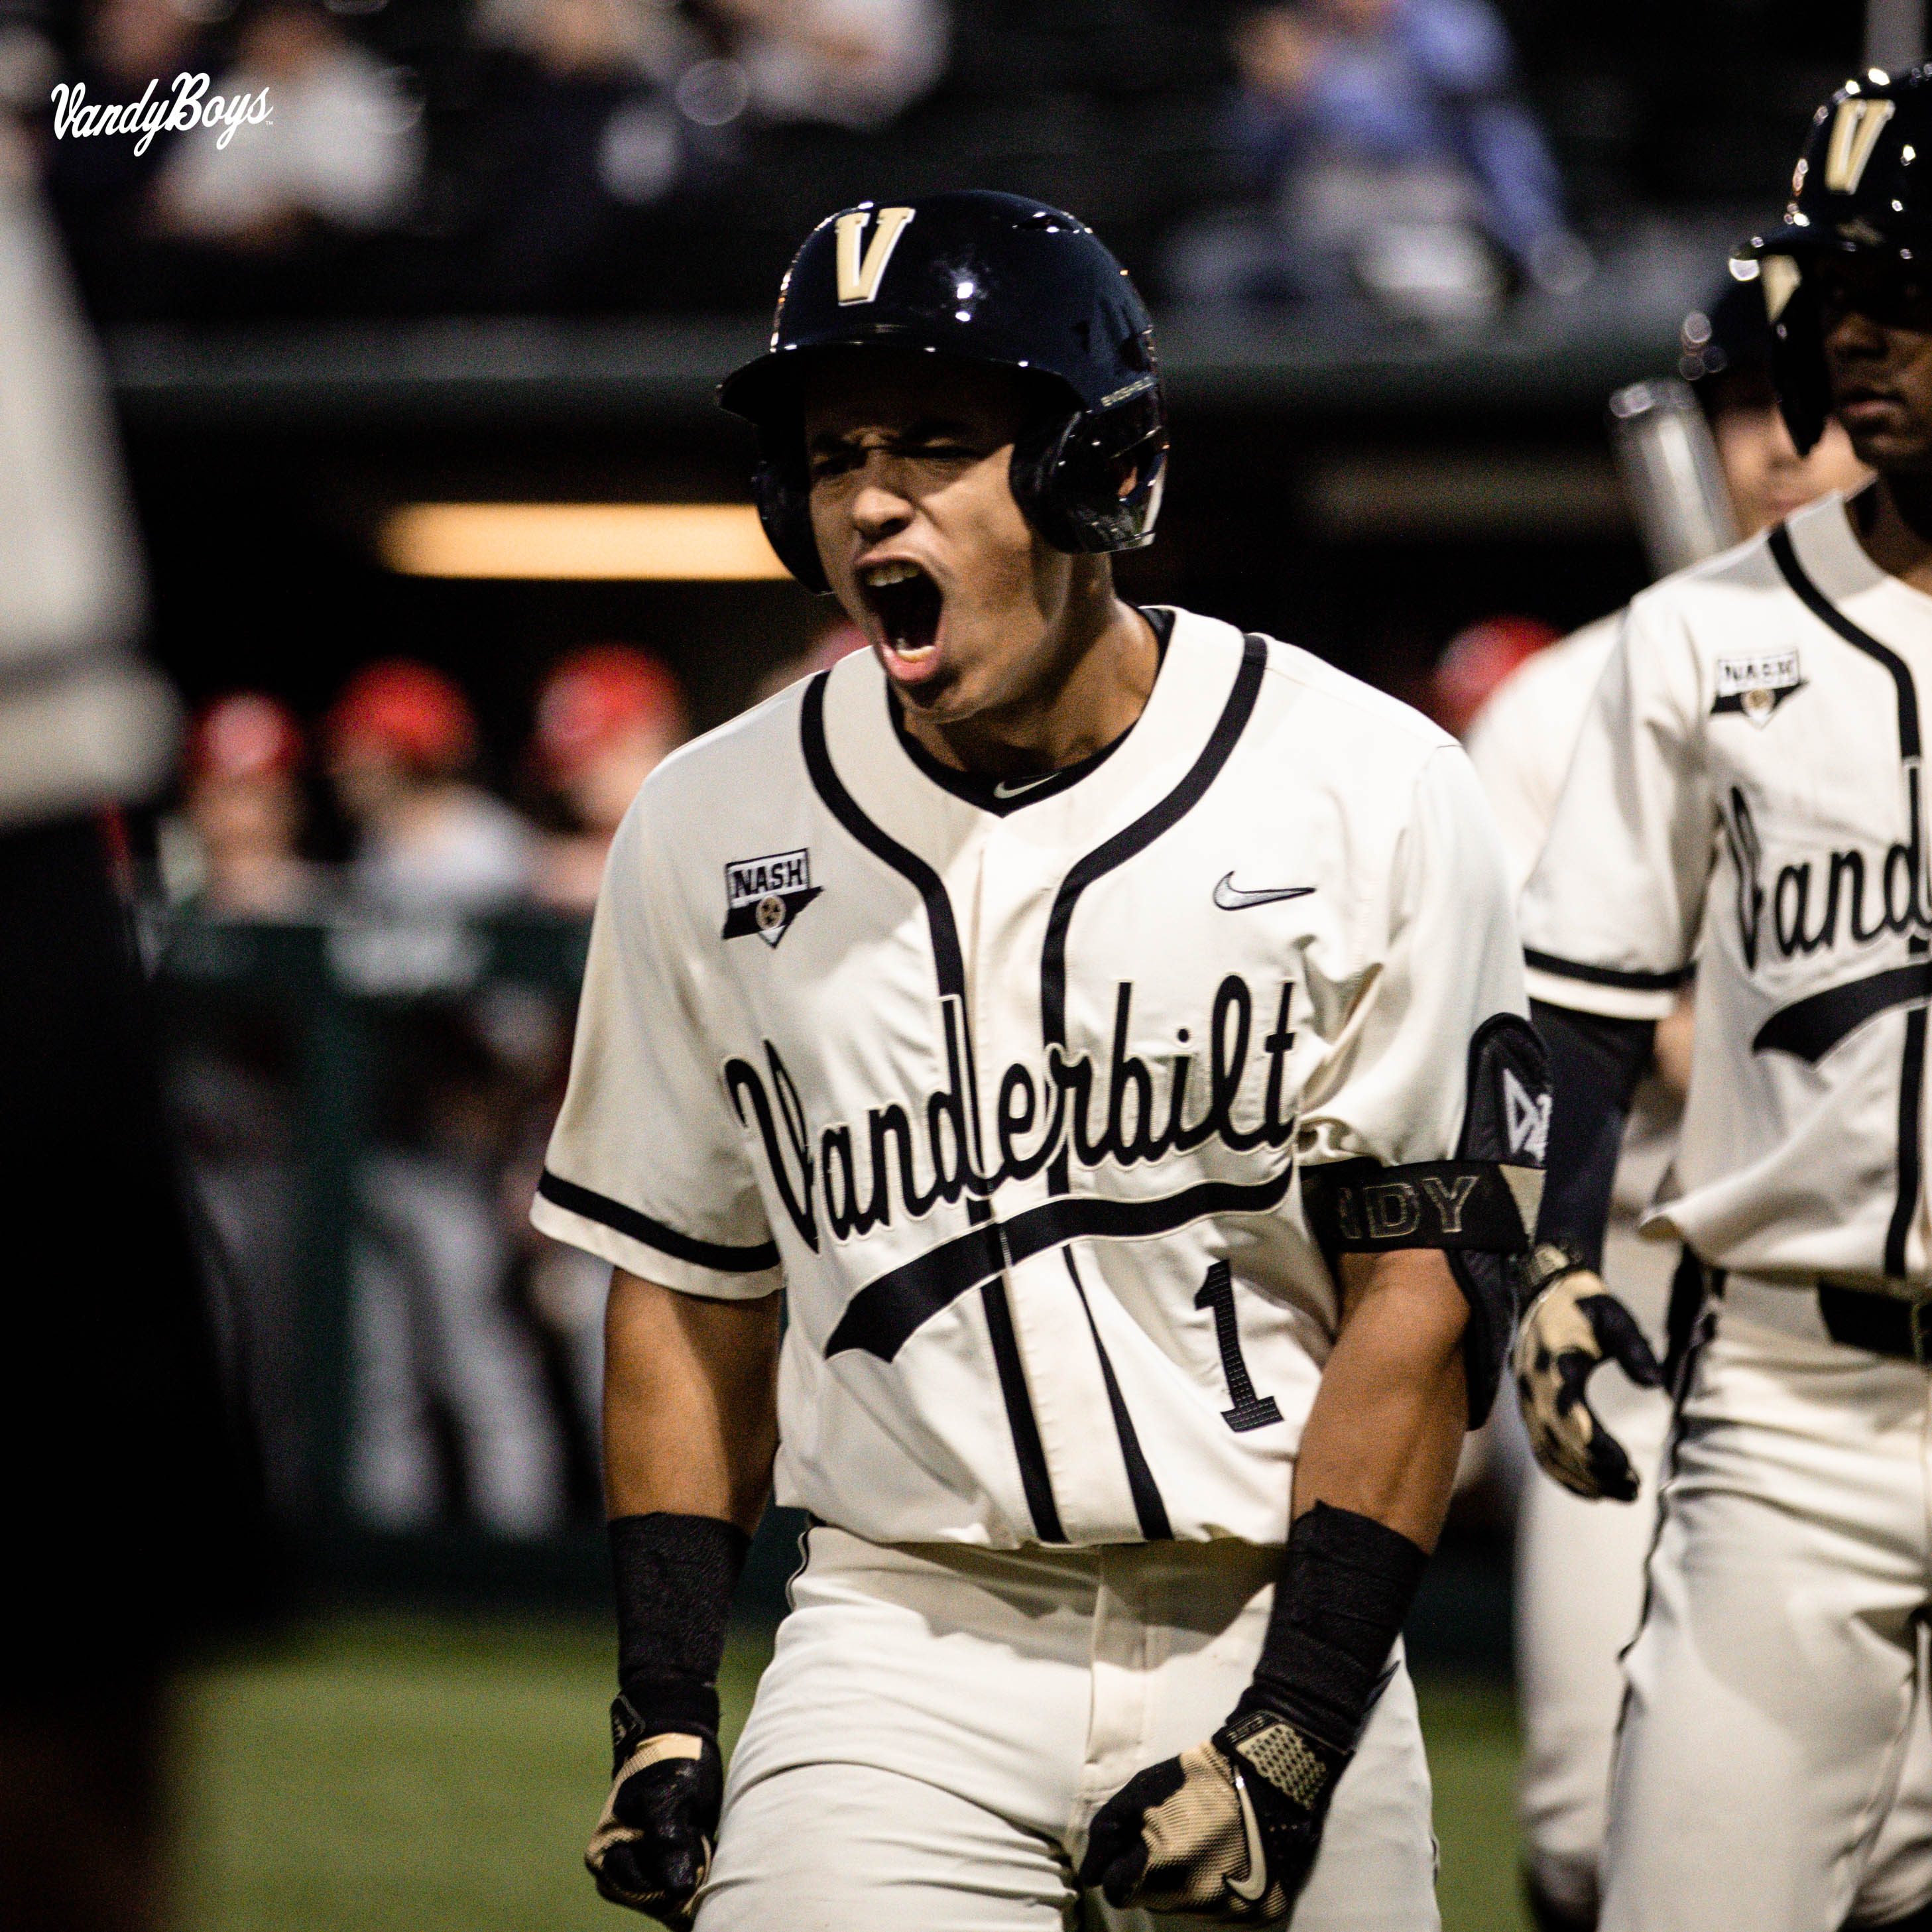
[417, 1775]
[1471, 1730]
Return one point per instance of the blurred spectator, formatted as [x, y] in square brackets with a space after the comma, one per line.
[340, 147]
[577, 124]
[857, 64]
[100, 187]
[1477, 660]
[839, 639]
[244, 813]
[429, 844]
[607, 717]
[1393, 161]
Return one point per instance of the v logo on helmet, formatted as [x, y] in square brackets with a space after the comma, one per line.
[1854, 135]
[862, 264]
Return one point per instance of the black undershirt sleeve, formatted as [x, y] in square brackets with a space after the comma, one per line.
[1595, 1066]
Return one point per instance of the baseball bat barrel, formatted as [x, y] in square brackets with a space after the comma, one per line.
[1670, 470]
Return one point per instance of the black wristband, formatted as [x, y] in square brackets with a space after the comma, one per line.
[1345, 1586]
[675, 1576]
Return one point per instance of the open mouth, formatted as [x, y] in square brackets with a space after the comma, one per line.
[908, 604]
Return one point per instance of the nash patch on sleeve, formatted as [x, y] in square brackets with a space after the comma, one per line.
[1756, 686]
[764, 895]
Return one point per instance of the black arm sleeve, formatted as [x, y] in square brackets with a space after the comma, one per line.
[1595, 1066]
[675, 1576]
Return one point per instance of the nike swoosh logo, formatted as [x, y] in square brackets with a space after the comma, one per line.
[1002, 790]
[1248, 1890]
[1230, 898]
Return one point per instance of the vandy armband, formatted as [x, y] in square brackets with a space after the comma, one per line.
[1360, 1207]
[1479, 1209]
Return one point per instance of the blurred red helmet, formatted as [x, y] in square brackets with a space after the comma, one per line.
[1478, 660]
[245, 734]
[594, 695]
[408, 708]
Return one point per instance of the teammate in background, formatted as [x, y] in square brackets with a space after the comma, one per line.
[1476, 662]
[607, 717]
[245, 812]
[839, 638]
[1747, 784]
[1579, 1568]
[133, 1530]
[429, 844]
[432, 1325]
[1107, 1029]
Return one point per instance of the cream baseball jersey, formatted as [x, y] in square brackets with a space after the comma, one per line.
[1521, 744]
[1049, 1102]
[1747, 789]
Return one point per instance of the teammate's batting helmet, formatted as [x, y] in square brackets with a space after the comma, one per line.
[1855, 191]
[991, 278]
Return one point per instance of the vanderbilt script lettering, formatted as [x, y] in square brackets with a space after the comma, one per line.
[858, 1175]
[1809, 902]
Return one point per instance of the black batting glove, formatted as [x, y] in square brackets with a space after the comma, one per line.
[1227, 1831]
[652, 1848]
[1571, 1326]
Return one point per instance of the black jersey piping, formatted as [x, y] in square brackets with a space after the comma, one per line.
[982, 793]
[889, 1310]
[600, 1207]
[1809, 1028]
[1036, 1483]
[1606, 976]
[1827, 613]
[1150, 1510]
[1132, 840]
[949, 969]
[1911, 1067]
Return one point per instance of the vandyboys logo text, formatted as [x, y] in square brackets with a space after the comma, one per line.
[187, 104]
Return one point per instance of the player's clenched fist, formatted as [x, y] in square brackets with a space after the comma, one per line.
[1571, 1325]
[651, 1847]
[1226, 1832]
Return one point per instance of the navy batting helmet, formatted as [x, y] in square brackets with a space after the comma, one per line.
[1855, 191]
[991, 278]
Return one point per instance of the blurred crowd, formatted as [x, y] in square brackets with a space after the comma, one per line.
[1356, 156]
[475, 1344]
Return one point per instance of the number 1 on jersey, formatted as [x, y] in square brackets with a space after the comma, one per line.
[1250, 1411]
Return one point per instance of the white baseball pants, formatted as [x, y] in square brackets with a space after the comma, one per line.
[1770, 1774]
[1579, 1597]
[939, 1726]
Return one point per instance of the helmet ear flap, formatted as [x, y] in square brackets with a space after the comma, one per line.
[1798, 366]
[1797, 348]
[1091, 481]
[783, 493]
[1034, 474]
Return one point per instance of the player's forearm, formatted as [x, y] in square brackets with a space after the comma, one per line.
[690, 1403]
[1595, 1066]
[1386, 1429]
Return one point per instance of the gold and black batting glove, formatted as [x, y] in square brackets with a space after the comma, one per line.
[1571, 1325]
[675, 1576]
[652, 1848]
[1229, 1831]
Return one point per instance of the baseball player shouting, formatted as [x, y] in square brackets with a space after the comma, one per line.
[1108, 1028]
[1748, 784]
[1579, 1565]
